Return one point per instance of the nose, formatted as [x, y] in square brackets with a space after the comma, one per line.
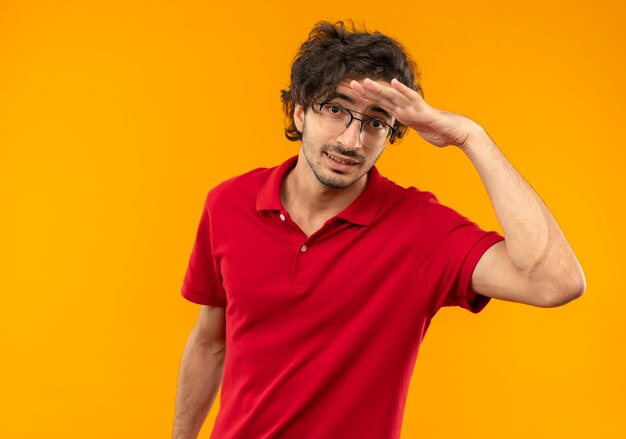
[350, 137]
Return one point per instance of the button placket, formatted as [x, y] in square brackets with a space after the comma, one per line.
[301, 276]
[297, 281]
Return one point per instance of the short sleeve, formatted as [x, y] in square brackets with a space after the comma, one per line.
[452, 246]
[203, 283]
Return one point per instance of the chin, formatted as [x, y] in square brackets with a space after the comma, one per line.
[337, 181]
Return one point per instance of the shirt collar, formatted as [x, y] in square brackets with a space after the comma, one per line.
[361, 211]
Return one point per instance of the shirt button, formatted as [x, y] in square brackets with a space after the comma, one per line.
[282, 217]
[303, 248]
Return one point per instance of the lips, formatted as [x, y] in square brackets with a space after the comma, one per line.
[340, 159]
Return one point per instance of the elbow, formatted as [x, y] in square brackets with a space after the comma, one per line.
[565, 291]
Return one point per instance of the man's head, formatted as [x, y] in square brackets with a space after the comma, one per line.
[333, 54]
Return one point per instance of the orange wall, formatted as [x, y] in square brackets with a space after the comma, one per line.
[116, 117]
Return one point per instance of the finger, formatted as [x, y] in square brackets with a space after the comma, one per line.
[370, 95]
[357, 87]
[383, 90]
[406, 91]
[382, 94]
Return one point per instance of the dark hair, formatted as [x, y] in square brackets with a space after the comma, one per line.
[332, 54]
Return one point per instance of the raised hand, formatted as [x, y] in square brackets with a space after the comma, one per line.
[441, 128]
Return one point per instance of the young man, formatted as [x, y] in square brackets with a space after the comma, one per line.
[318, 278]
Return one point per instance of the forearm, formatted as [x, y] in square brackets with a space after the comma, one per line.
[535, 243]
[198, 382]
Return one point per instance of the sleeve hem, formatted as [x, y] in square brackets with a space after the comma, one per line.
[473, 301]
[202, 298]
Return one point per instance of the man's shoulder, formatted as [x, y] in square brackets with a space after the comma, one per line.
[397, 195]
[239, 187]
[250, 180]
[258, 181]
[421, 205]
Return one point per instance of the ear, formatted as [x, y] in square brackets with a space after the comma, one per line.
[298, 116]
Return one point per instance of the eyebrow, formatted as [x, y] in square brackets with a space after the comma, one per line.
[351, 100]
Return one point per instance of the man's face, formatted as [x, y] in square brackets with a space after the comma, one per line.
[339, 158]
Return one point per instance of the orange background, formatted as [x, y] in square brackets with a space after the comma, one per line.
[116, 118]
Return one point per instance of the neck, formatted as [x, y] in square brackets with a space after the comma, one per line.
[311, 203]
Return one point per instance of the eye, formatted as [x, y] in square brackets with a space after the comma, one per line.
[376, 125]
[333, 110]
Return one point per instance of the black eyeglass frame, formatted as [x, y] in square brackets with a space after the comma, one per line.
[389, 138]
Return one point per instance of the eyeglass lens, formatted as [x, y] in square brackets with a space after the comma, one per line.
[334, 119]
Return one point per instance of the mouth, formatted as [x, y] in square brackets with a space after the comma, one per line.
[341, 160]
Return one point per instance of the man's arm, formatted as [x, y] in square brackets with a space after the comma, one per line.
[200, 372]
[535, 264]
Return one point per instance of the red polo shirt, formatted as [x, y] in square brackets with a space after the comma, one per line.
[322, 332]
